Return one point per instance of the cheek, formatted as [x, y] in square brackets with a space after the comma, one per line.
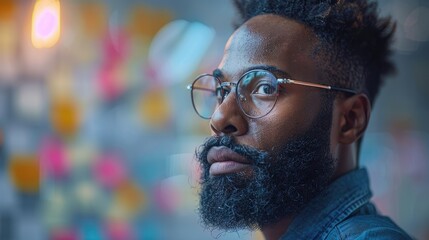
[274, 130]
[282, 123]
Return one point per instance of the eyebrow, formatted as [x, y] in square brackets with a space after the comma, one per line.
[219, 74]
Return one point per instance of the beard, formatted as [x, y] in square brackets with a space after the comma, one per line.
[282, 182]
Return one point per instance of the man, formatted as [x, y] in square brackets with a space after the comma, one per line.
[288, 106]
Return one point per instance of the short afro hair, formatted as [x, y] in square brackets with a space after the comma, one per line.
[355, 42]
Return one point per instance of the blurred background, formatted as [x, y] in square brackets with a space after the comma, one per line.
[97, 131]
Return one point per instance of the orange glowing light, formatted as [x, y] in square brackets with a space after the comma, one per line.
[46, 27]
[24, 171]
[7, 10]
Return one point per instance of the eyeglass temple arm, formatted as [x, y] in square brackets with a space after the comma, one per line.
[190, 87]
[316, 85]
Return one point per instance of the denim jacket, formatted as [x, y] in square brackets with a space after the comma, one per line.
[343, 211]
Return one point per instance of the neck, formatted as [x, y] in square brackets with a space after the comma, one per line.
[276, 230]
[347, 160]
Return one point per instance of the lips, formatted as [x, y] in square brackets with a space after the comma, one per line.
[223, 160]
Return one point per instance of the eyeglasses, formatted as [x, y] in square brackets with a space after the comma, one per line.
[256, 92]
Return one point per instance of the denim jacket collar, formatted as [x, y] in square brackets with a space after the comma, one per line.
[342, 197]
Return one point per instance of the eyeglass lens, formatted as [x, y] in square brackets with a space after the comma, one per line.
[257, 93]
[205, 95]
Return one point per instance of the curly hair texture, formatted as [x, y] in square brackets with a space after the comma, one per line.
[355, 43]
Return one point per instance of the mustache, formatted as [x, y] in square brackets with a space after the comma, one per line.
[254, 155]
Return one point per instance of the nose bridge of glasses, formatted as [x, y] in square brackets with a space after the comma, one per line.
[228, 84]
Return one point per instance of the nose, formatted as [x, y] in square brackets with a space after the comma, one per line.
[228, 119]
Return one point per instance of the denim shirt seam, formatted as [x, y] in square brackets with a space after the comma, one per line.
[361, 199]
[335, 232]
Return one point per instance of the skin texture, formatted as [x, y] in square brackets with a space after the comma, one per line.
[289, 46]
[256, 44]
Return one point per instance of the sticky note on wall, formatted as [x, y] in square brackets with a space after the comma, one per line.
[24, 171]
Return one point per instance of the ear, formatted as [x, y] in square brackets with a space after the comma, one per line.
[355, 113]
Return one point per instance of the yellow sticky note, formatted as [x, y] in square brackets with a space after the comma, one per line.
[130, 197]
[65, 116]
[155, 108]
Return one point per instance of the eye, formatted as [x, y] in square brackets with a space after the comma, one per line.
[264, 89]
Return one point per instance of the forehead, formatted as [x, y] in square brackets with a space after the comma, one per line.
[270, 40]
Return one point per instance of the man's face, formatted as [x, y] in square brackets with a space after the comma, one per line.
[258, 171]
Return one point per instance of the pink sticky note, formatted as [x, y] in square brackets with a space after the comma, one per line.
[109, 170]
[167, 198]
[64, 234]
[119, 231]
[53, 158]
[115, 47]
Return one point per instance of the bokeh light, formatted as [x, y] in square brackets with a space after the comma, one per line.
[177, 50]
[46, 25]
[109, 171]
[24, 171]
[155, 108]
[7, 10]
[54, 159]
[65, 116]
